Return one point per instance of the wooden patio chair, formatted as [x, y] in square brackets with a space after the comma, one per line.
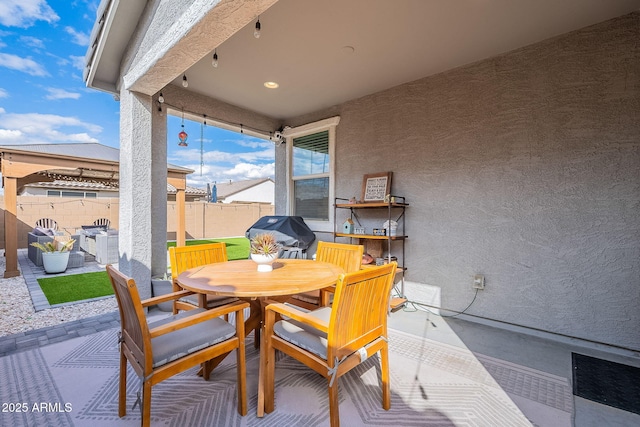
[47, 223]
[164, 348]
[347, 256]
[333, 340]
[185, 257]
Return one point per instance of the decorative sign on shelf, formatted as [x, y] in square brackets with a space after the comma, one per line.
[376, 186]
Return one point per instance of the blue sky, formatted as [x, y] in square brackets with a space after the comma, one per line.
[43, 98]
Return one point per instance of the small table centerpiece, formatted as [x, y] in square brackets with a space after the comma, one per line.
[264, 250]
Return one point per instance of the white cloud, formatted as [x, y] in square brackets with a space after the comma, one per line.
[47, 128]
[244, 171]
[215, 173]
[193, 155]
[18, 63]
[3, 94]
[77, 61]
[55, 93]
[10, 135]
[23, 13]
[32, 42]
[256, 143]
[78, 37]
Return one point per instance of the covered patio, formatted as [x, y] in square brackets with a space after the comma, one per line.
[510, 128]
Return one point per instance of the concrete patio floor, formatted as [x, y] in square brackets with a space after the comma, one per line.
[542, 354]
[550, 356]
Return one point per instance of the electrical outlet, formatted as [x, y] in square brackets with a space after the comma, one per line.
[478, 281]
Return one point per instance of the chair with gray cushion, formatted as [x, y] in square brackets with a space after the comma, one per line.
[164, 348]
[183, 258]
[333, 340]
[347, 256]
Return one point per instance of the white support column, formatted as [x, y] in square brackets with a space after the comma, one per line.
[143, 190]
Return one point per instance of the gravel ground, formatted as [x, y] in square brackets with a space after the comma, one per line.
[17, 313]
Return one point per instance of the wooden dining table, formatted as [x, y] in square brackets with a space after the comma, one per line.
[243, 280]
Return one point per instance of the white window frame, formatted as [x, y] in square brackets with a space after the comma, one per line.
[330, 125]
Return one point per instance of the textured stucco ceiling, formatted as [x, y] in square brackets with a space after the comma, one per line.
[323, 52]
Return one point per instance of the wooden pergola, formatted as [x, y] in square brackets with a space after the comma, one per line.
[20, 166]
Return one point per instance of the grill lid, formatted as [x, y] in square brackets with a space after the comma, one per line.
[290, 231]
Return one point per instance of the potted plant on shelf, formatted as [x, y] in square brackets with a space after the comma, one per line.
[55, 254]
[264, 250]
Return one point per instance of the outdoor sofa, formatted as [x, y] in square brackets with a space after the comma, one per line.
[76, 256]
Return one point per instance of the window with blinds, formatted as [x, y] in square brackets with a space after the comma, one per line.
[311, 176]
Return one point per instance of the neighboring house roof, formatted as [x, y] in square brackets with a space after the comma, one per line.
[96, 167]
[189, 191]
[92, 150]
[84, 150]
[226, 189]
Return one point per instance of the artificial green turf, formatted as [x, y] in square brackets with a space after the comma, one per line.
[75, 287]
[78, 287]
[237, 247]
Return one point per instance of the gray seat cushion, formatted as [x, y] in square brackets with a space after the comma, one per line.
[303, 335]
[174, 345]
[212, 300]
[312, 297]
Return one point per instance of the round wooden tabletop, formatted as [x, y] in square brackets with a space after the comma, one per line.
[242, 278]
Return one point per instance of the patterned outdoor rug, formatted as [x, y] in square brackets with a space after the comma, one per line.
[75, 383]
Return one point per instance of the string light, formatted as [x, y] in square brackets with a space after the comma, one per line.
[214, 62]
[160, 102]
[233, 125]
[256, 32]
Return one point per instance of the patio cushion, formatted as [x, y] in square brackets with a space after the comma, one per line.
[303, 335]
[76, 259]
[174, 345]
[212, 300]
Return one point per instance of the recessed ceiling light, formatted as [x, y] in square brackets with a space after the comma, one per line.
[271, 85]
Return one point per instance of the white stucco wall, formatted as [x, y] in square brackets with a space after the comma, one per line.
[525, 168]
